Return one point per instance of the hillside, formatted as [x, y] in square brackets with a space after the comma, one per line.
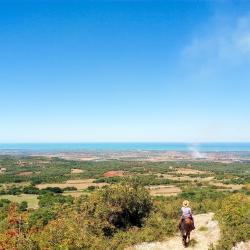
[207, 232]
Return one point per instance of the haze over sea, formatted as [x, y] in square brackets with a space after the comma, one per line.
[140, 146]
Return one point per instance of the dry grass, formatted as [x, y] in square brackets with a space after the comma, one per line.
[30, 198]
[190, 171]
[76, 171]
[12, 184]
[74, 193]
[227, 186]
[186, 178]
[164, 190]
[27, 173]
[78, 184]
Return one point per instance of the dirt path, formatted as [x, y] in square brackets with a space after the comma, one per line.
[207, 232]
[242, 246]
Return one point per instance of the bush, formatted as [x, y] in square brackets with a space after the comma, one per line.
[108, 218]
[70, 189]
[41, 217]
[4, 202]
[91, 188]
[50, 199]
[56, 190]
[31, 190]
[234, 220]
[15, 191]
[23, 206]
[120, 205]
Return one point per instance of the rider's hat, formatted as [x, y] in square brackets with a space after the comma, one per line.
[185, 203]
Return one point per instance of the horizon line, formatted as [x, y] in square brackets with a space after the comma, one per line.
[122, 142]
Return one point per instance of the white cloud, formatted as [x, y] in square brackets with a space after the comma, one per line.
[227, 44]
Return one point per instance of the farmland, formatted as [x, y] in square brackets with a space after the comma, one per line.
[54, 187]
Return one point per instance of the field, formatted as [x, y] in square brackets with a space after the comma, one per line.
[61, 192]
[30, 198]
[78, 184]
[164, 190]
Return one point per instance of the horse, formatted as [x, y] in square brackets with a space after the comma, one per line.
[186, 227]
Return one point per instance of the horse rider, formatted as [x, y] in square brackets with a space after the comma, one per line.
[186, 213]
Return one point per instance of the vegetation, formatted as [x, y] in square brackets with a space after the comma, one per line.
[234, 220]
[120, 214]
[109, 217]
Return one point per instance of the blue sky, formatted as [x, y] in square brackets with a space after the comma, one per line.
[94, 71]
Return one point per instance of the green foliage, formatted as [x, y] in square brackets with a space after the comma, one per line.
[234, 219]
[114, 179]
[14, 191]
[49, 199]
[123, 213]
[121, 205]
[23, 206]
[4, 202]
[69, 189]
[200, 194]
[41, 217]
[116, 216]
[91, 188]
[56, 190]
[238, 180]
[31, 190]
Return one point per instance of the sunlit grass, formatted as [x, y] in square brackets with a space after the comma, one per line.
[30, 198]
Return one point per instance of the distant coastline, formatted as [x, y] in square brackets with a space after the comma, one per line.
[140, 146]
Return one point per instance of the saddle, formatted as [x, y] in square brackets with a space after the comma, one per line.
[189, 222]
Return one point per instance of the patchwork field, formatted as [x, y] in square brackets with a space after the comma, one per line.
[78, 184]
[30, 198]
[60, 191]
[76, 171]
[164, 190]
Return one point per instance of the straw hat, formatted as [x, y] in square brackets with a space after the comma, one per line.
[185, 203]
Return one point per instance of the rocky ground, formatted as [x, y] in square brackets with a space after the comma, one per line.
[207, 232]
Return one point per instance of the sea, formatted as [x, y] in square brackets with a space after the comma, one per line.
[139, 146]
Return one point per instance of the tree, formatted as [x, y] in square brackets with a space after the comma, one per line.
[23, 206]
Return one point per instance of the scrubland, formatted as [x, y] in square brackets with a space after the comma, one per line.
[66, 204]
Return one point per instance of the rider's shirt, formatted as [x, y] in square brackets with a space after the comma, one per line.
[186, 212]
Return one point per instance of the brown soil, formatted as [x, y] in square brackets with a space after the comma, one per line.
[27, 173]
[113, 173]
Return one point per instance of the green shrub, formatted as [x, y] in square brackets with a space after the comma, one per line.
[121, 205]
[91, 188]
[31, 190]
[69, 189]
[49, 199]
[23, 206]
[56, 190]
[234, 220]
[41, 217]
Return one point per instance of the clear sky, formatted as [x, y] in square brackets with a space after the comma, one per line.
[94, 71]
